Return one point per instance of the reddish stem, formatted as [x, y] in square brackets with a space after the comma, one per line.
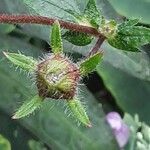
[97, 46]
[21, 19]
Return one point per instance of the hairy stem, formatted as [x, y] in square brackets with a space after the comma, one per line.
[21, 19]
[97, 46]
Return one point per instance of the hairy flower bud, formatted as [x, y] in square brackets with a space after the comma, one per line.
[57, 77]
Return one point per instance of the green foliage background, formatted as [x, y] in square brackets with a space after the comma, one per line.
[125, 74]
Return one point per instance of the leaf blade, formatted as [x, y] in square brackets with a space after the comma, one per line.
[76, 38]
[130, 37]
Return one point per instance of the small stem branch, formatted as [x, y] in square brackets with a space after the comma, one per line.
[21, 19]
[97, 46]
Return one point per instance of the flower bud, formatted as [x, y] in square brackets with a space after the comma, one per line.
[57, 77]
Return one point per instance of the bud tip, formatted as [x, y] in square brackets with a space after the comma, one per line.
[14, 117]
[5, 53]
[89, 125]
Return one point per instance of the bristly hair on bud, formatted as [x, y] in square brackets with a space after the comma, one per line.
[57, 77]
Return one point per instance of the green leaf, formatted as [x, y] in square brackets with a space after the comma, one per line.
[26, 63]
[4, 143]
[6, 28]
[129, 23]
[76, 38]
[56, 41]
[127, 78]
[35, 145]
[79, 112]
[90, 17]
[65, 8]
[17, 135]
[92, 14]
[28, 107]
[90, 64]
[133, 9]
[134, 64]
[129, 37]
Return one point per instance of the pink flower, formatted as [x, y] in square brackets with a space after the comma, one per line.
[120, 129]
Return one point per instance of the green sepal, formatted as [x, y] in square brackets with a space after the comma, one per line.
[28, 107]
[4, 143]
[79, 112]
[25, 62]
[76, 38]
[90, 17]
[92, 14]
[89, 64]
[130, 37]
[56, 41]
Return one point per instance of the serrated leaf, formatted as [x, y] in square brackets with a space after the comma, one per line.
[92, 14]
[4, 143]
[28, 107]
[90, 17]
[79, 112]
[26, 63]
[89, 64]
[130, 37]
[76, 38]
[128, 23]
[56, 41]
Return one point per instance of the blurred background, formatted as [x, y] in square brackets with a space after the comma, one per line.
[120, 83]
